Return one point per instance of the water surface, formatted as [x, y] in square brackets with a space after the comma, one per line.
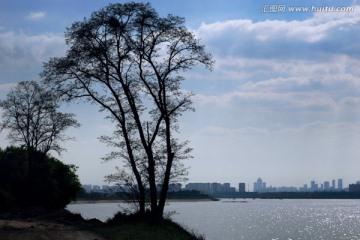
[256, 219]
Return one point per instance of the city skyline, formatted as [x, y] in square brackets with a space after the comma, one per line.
[282, 102]
[260, 186]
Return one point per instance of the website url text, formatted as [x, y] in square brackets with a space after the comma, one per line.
[280, 8]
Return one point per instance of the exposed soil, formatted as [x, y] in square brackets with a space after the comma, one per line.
[42, 230]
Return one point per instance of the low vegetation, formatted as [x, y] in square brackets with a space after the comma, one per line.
[50, 185]
[136, 227]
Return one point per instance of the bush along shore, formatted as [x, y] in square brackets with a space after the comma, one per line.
[120, 227]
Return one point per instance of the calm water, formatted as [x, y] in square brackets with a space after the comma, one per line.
[256, 219]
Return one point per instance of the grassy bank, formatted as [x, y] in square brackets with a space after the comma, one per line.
[143, 230]
[134, 227]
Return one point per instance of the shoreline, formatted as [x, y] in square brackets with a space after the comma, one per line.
[63, 224]
[124, 201]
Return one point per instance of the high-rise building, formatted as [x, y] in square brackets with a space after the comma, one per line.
[226, 187]
[354, 187]
[314, 186]
[340, 184]
[241, 187]
[216, 187]
[259, 185]
[326, 186]
[333, 185]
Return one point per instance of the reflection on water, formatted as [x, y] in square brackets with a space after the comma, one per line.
[257, 219]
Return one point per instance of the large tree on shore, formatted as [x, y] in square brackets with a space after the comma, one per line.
[128, 60]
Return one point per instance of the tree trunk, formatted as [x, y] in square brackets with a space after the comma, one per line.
[141, 200]
[152, 182]
[169, 162]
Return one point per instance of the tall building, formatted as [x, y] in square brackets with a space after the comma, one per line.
[333, 185]
[259, 185]
[354, 187]
[216, 187]
[326, 186]
[226, 185]
[242, 187]
[340, 184]
[314, 186]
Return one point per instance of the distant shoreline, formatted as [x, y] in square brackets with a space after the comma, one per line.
[83, 201]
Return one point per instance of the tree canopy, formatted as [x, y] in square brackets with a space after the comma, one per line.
[30, 113]
[128, 60]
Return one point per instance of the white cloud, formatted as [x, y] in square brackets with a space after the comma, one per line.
[310, 30]
[34, 16]
[19, 50]
[316, 38]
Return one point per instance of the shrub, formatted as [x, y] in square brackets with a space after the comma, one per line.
[49, 185]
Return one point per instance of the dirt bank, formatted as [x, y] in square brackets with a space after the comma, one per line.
[42, 230]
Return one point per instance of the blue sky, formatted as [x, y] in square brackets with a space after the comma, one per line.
[282, 103]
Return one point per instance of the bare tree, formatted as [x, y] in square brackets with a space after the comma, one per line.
[31, 115]
[127, 59]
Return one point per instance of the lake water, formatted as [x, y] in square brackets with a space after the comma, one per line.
[256, 219]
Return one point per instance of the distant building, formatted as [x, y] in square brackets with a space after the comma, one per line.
[333, 187]
[96, 188]
[215, 187]
[242, 187]
[87, 187]
[314, 186]
[201, 187]
[354, 187]
[340, 184]
[259, 186]
[304, 188]
[326, 186]
[226, 187]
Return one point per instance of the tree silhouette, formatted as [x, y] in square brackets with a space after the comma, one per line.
[54, 184]
[128, 60]
[31, 115]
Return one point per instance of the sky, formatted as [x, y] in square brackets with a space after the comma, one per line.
[282, 102]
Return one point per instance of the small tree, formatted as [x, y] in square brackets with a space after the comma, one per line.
[30, 113]
[127, 59]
